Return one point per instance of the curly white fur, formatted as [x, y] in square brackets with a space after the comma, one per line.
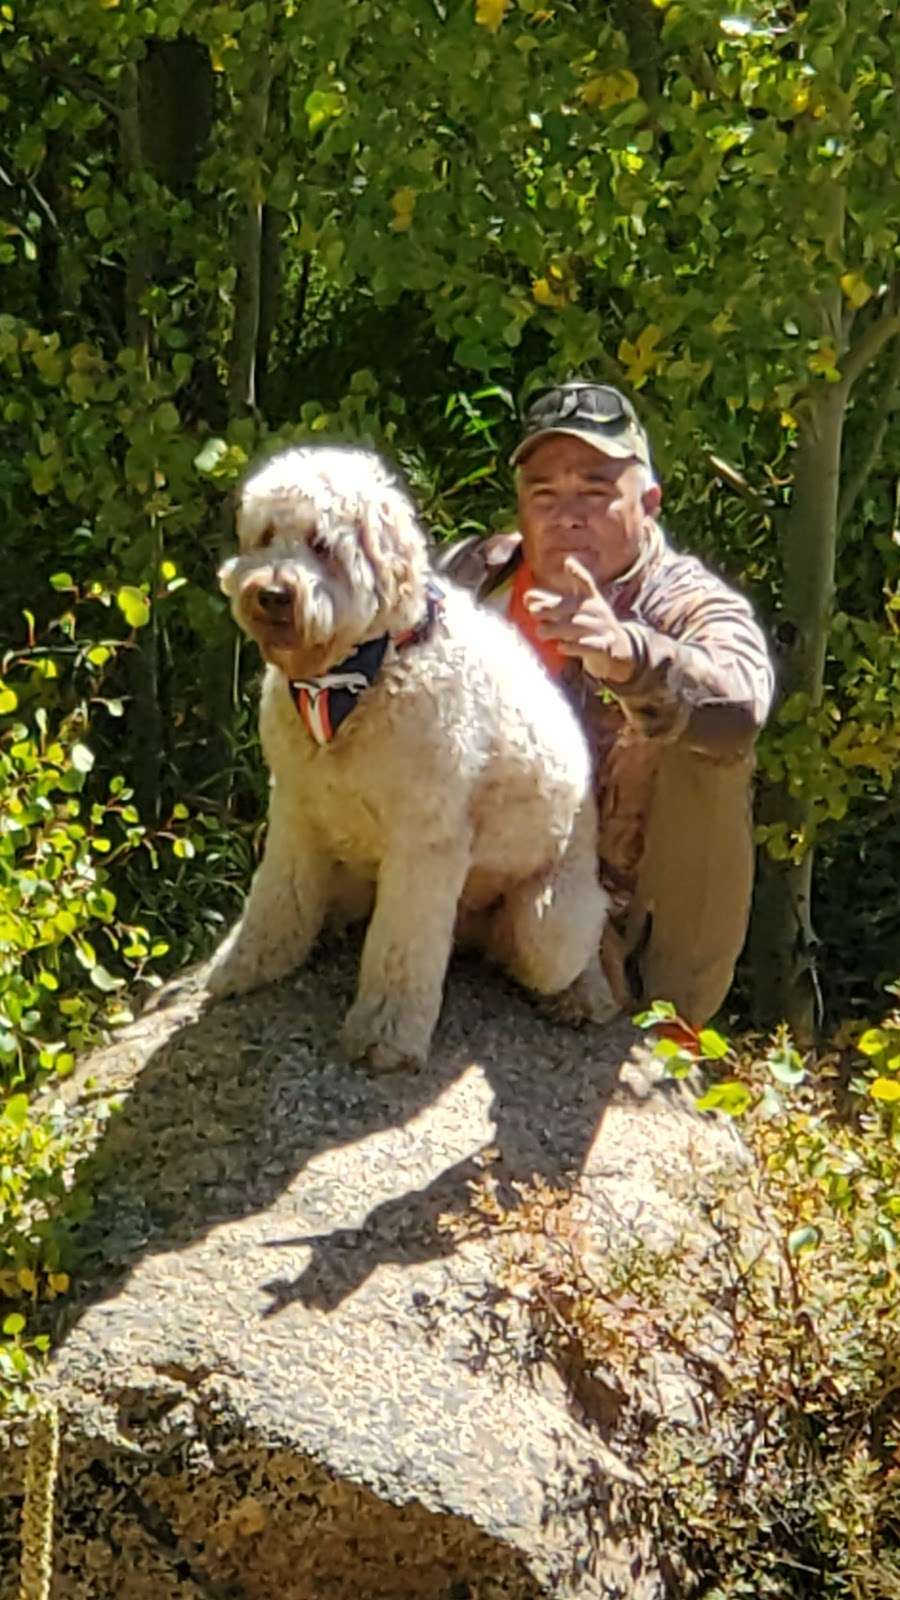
[458, 791]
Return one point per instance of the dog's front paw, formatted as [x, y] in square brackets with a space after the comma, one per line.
[588, 999]
[235, 969]
[385, 1034]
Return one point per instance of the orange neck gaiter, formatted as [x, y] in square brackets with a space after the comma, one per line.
[527, 624]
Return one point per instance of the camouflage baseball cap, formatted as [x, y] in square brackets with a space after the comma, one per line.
[594, 412]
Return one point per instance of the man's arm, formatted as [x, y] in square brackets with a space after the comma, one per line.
[708, 681]
[695, 667]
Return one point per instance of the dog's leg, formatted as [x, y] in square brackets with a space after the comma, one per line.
[405, 955]
[547, 931]
[285, 908]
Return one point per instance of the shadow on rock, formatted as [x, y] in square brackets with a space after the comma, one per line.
[225, 1107]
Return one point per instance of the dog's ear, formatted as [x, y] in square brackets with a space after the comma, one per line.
[395, 546]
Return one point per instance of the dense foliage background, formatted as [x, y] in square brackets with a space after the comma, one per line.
[225, 224]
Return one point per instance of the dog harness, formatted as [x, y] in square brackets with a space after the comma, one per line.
[324, 703]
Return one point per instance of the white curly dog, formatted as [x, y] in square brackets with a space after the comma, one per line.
[422, 764]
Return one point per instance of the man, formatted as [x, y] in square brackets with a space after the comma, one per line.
[670, 674]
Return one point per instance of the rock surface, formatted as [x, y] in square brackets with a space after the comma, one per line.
[273, 1382]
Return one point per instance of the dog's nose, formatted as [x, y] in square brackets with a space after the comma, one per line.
[275, 598]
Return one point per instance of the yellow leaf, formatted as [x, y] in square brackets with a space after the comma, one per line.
[26, 1280]
[873, 1041]
[885, 1089]
[109, 5]
[612, 88]
[546, 295]
[490, 13]
[856, 289]
[788, 420]
[868, 755]
[823, 361]
[403, 204]
[58, 1281]
[641, 357]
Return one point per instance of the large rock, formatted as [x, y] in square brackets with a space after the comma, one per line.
[277, 1381]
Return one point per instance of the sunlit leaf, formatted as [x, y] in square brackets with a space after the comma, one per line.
[490, 13]
[81, 757]
[733, 1098]
[887, 1090]
[805, 1238]
[134, 606]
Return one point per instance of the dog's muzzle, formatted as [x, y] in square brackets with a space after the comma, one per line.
[275, 601]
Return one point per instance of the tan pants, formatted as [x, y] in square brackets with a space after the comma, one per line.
[694, 882]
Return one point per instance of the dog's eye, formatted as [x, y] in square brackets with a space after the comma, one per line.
[318, 544]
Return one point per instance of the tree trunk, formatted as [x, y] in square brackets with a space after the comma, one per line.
[165, 127]
[248, 241]
[782, 939]
[177, 93]
[146, 717]
[138, 267]
[273, 223]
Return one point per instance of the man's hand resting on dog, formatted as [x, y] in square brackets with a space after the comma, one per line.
[585, 626]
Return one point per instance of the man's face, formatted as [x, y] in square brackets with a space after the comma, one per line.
[575, 501]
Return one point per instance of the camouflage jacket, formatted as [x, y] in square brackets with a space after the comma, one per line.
[702, 677]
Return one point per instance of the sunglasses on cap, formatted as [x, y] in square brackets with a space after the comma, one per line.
[596, 413]
[591, 401]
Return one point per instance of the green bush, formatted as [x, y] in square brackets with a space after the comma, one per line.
[71, 961]
[783, 1308]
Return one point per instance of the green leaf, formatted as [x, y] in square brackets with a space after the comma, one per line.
[805, 1238]
[209, 457]
[61, 580]
[184, 849]
[733, 1098]
[786, 1066]
[81, 757]
[97, 222]
[14, 1324]
[134, 606]
[660, 1011]
[103, 980]
[167, 417]
[712, 1045]
[321, 106]
[667, 1049]
[15, 1112]
[8, 700]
